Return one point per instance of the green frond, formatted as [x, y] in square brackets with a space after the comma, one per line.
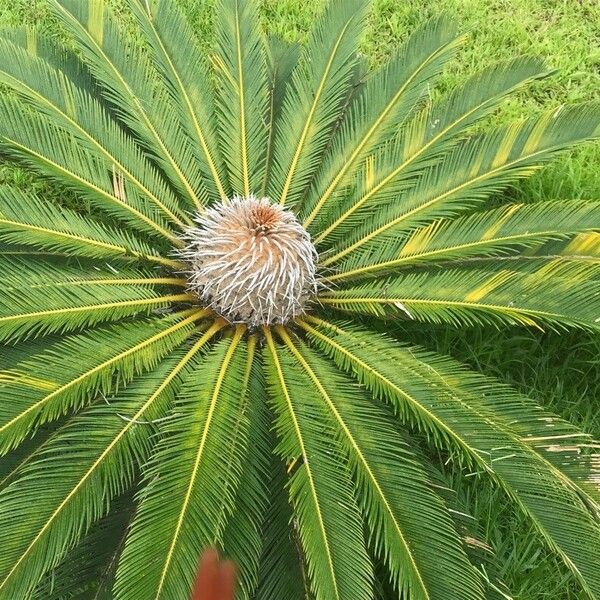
[388, 98]
[315, 98]
[410, 525]
[242, 101]
[39, 43]
[12, 354]
[177, 55]
[27, 309]
[433, 131]
[194, 474]
[557, 292]
[475, 416]
[87, 571]
[281, 573]
[321, 490]
[36, 272]
[26, 219]
[40, 297]
[14, 462]
[242, 538]
[53, 95]
[72, 371]
[483, 165]
[282, 58]
[123, 71]
[500, 233]
[93, 460]
[38, 143]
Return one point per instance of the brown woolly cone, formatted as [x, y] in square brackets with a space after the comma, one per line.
[251, 262]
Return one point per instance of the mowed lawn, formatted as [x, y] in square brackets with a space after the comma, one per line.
[562, 371]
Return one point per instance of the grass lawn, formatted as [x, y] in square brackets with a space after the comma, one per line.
[561, 371]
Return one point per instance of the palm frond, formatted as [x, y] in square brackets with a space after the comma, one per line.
[194, 473]
[26, 219]
[281, 571]
[147, 110]
[38, 43]
[14, 462]
[500, 232]
[79, 114]
[87, 571]
[388, 98]
[36, 142]
[74, 307]
[72, 299]
[469, 414]
[315, 98]
[557, 292]
[282, 58]
[178, 57]
[243, 88]
[433, 131]
[13, 354]
[329, 525]
[46, 272]
[92, 460]
[73, 371]
[409, 523]
[480, 166]
[242, 537]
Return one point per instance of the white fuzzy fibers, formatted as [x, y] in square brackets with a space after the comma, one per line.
[251, 261]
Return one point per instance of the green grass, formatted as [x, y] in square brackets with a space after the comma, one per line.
[561, 371]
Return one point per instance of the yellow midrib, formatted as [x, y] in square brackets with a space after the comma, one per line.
[521, 314]
[251, 349]
[108, 449]
[306, 462]
[313, 108]
[132, 281]
[332, 186]
[196, 314]
[417, 256]
[211, 409]
[92, 242]
[74, 309]
[358, 451]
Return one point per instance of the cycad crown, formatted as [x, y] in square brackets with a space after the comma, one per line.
[251, 262]
[162, 392]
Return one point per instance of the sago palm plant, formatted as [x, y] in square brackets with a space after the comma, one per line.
[201, 353]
